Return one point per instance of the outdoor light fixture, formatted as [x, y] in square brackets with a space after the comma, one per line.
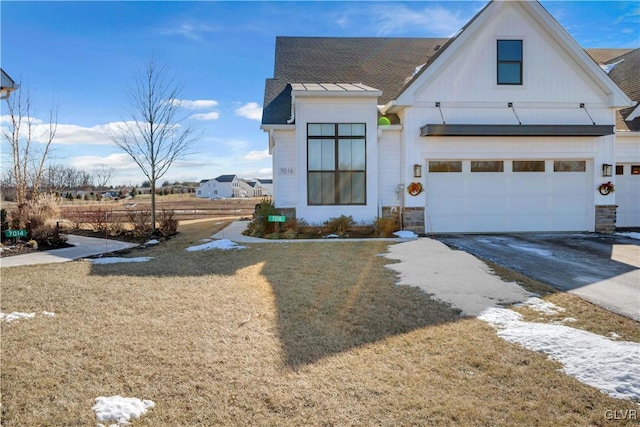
[417, 171]
[606, 169]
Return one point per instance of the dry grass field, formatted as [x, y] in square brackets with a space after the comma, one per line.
[287, 334]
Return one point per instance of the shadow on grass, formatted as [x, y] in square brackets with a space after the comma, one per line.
[330, 297]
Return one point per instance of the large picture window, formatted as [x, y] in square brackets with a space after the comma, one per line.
[336, 164]
[509, 62]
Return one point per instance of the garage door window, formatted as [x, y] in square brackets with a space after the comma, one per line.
[569, 166]
[487, 166]
[619, 170]
[635, 169]
[445, 166]
[528, 166]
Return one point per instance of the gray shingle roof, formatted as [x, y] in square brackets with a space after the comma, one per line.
[380, 62]
[225, 178]
[626, 74]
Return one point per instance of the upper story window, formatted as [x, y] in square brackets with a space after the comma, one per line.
[336, 164]
[509, 62]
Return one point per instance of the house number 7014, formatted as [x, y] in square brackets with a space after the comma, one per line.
[286, 171]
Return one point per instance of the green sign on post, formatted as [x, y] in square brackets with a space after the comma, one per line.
[15, 233]
[277, 218]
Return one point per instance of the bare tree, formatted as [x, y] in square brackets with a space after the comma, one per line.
[154, 136]
[23, 133]
[102, 175]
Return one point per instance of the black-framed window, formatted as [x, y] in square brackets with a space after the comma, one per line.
[510, 62]
[336, 163]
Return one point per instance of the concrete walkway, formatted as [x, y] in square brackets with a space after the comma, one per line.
[83, 247]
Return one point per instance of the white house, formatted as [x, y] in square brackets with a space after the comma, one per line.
[507, 127]
[222, 186]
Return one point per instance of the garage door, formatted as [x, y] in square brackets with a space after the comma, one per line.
[508, 195]
[628, 195]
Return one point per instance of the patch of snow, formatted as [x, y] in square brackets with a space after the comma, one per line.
[114, 260]
[406, 234]
[540, 305]
[206, 240]
[16, 315]
[537, 251]
[120, 409]
[152, 242]
[611, 366]
[630, 234]
[331, 236]
[613, 335]
[609, 67]
[48, 314]
[224, 244]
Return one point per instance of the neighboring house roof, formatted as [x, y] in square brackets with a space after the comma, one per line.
[604, 56]
[265, 181]
[386, 64]
[225, 178]
[625, 72]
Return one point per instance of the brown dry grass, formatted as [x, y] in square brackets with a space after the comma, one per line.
[283, 334]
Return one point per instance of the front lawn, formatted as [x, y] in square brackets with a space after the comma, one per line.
[281, 334]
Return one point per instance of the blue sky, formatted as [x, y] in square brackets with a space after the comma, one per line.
[83, 55]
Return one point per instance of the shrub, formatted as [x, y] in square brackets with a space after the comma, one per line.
[260, 225]
[33, 214]
[47, 236]
[167, 223]
[140, 221]
[97, 217]
[4, 223]
[385, 226]
[340, 224]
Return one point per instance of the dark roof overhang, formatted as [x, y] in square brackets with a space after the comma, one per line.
[515, 130]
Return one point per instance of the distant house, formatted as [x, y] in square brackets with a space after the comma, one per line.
[222, 186]
[267, 186]
[509, 126]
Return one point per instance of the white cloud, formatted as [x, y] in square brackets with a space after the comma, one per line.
[65, 133]
[197, 104]
[256, 155]
[118, 161]
[251, 110]
[437, 21]
[214, 115]
[190, 31]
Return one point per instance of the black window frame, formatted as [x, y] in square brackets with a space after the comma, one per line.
[503, 61]
[336, 171]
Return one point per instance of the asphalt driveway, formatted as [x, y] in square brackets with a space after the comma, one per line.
[602, 269]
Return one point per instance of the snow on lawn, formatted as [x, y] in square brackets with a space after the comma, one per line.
[151, 242]
[224, 244]
[540, 305]
[114, 260]
[631, 235]
[120, 409]
[611, 366]
[406, 234]
[16, 315]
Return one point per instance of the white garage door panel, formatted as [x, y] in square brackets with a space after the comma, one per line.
[509, 201]
[628, 198]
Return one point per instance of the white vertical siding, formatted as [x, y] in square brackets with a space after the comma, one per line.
[389, 159]
[286, 174]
